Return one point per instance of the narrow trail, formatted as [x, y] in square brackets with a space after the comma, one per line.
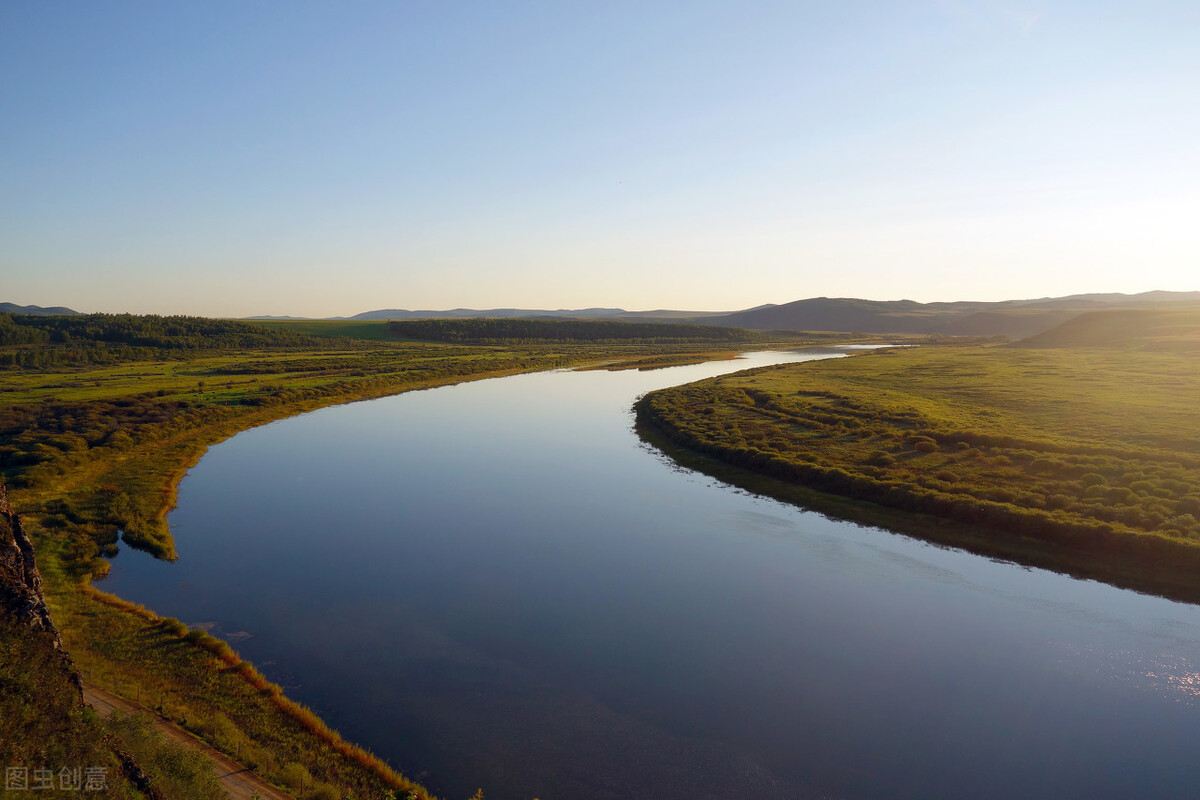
[238, 781]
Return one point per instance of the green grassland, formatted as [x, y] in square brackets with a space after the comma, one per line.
[1081, 459]
[100, 417]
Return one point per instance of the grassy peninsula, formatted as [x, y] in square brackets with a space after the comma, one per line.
[1081, 459]
[101, 415]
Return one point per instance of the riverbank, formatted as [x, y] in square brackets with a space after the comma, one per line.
[1076, 461]
[97, 451]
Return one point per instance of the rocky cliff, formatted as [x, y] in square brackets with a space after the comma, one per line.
[21, 596]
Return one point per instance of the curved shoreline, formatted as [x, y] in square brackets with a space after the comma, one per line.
[1173, 579]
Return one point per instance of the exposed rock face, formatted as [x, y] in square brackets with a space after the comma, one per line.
[138, 777]
[20, 582]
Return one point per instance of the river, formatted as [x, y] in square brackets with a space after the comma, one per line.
[497, 584]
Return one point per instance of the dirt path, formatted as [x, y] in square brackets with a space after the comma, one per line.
[239, 783]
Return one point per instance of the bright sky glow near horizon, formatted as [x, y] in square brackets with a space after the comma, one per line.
[321, 159]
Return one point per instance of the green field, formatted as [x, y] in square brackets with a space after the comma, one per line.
[1084, 459]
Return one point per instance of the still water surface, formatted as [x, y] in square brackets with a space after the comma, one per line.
[497, 585]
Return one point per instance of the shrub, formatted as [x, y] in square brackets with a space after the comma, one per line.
[173, 626]
[222, 732]
[1058, 501]
[119, 439]
[1184, 523]
[1189, 505]
[1045, 466]
[295, 776]
[1030, 500]
[323, 791]
[1119, 495]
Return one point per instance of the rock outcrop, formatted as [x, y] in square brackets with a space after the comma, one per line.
[21, 596]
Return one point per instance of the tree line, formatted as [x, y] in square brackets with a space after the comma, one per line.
[145, 330]
[478, 330]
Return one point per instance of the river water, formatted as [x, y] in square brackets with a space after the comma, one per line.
[497, 585]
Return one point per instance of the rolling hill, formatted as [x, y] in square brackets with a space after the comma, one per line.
[61, 311]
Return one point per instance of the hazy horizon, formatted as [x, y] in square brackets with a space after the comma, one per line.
[324, 160]
[419, 309]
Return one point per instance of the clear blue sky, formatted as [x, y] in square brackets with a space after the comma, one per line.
[236, 158]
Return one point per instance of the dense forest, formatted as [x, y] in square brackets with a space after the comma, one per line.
[532, 330]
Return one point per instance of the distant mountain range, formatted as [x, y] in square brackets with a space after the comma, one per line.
[1015, 319]
[58, 311]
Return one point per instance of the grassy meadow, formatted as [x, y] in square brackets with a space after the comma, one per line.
[1081, 459]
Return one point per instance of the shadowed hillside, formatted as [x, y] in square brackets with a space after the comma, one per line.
[1151, 329]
